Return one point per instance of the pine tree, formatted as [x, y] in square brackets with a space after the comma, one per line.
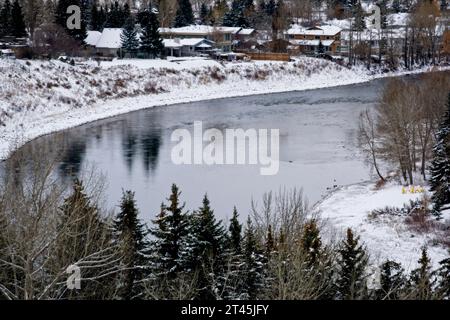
[396, 6]
[204, 14]
[444, 5]
[270, 7]
[235, 230]
[61, 17]
[421, 278]
[130, 235]
[270, 242]
[392, 280]
[253, 269]
[184, 15]
[440, 165]
[207, 249]
[5, 19]
[360, 21]
[443, 274]
[352, 261]
[17, 23]
[170, 231]
[151, 42]
[235, 17]
[311, 243]
[128, 38]
[85, 233]
[95, 18]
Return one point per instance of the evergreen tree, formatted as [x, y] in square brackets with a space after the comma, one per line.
[421, 278]
[392, 280]
[321, 47]
[207, 248]
[151, 42]
[204, 14]
[440, 165]
[352, 261]
[128, 38]
[235, 230]
[17, 23]
[170, 231]
[95, 23]
[5, 19]
[270, 8]
[131, 234]
[310, 242]
[235, 17]
[85, 233]
[253, 269]
[184, 15]
[443, 5]
[270, 242]
[102, 17]
[360, 20]
[443, 274]
[396, 6]
[61, 17]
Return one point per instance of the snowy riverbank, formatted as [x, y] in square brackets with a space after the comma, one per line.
[387, 236]
[40, 97]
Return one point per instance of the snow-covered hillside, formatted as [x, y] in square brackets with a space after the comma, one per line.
[40, 97]
[386, 236]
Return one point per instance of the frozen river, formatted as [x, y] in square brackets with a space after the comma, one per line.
[318, 131]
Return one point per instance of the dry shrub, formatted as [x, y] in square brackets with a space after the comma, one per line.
[217, 75]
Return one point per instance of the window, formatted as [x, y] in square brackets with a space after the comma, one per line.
[227, 37]
[317, 37]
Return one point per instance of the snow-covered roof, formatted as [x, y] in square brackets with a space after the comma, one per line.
[192, 42]
[324, 30]
[325, 43]
[246, 31]
[110, 38]
[92, 37]
[199, 29]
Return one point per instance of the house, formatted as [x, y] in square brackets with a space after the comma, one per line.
[109, 43]
[177, 47]
[7, 54]
[222, 36]
[309, 40]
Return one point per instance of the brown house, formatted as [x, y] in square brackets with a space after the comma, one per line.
[309, 40]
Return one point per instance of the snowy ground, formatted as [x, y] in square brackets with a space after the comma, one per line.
[386, 237]
[40, 97]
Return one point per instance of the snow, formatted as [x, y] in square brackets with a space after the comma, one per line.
[386, 237]
[327, 30]
[38, 98]
[110, 38]
[199, 30]
[194, 42]
[92, 37]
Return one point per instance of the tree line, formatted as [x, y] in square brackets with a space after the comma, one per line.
[278, 253]
[407, 131]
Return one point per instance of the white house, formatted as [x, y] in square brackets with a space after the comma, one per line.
[109, 43]
[187, 46]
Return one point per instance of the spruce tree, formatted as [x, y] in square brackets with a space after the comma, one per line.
[169, 233]
[130, 235]
[253, 273]
[422, 279]
[128, 38]
[17, 23]
[311, 243]
[440, 166]
[95, 18]
[235, 231]
[151, 42]
[392, 280]
[204, 14]
[352, 261]
[184, 15]
[207, 249]
[5, 19]
[85, 234]
[61, 17]
[443, 274]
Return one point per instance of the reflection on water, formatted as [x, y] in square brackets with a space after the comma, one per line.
[317, 148]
